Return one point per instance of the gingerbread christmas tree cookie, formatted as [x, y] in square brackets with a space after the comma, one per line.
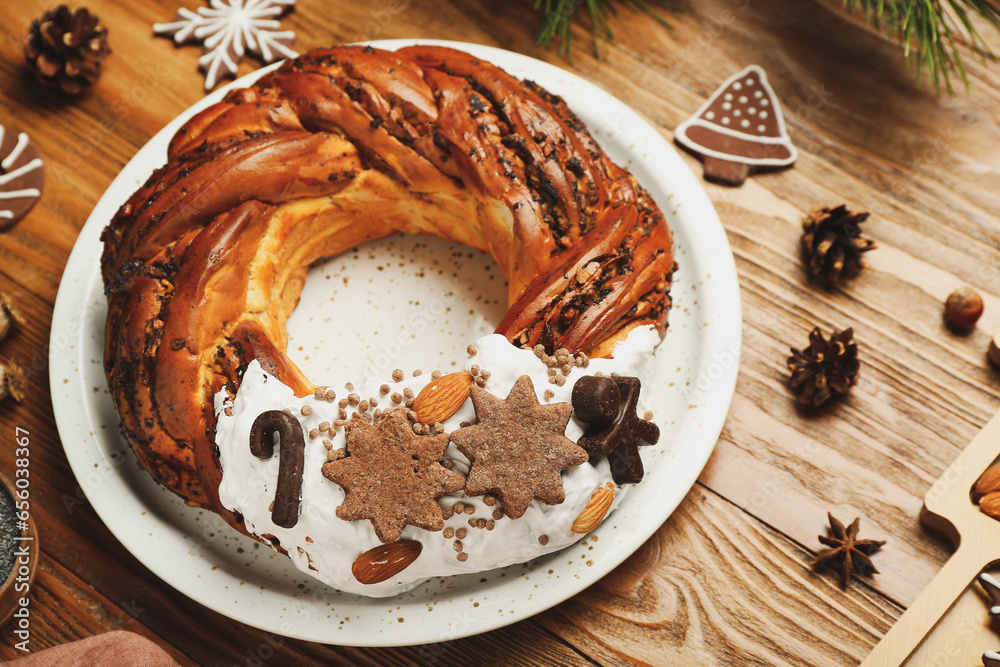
[518, 449]
[392, 476]
[739, 130]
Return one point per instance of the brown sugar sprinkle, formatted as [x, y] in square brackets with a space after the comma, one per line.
[353, 399]
[539, 350]
[480, 381]
[408, 393]
[461, 533]
[486, 374]
[417, 429]
[366, 418]
[490, 524]
[373, 401]
[342, 414]
[396, 399]
[552, 372]
[319, 393]
[417, 373]
[449, 533]
[448, 464]
[471, 350]
[314, 433]
[328, 445]
[647, 415]
[398, 375]
[435, 375]
[549, 394]
[439, 427]
[378, 413]
[363, 406]
[336, 454]
[458, 508]
[349, 386]
[462, 557]
[469, 509]
[543, 539]
[384, 389]
[475, 369]
[330, 396]
[464, 424]
[457, 544]
[324, 427]
[566, 369]
[560, 380]
[342, 404]
[339, 422]
[497, 514]
[306, 410]
[287, 410]
[447, 513]
[489, 500]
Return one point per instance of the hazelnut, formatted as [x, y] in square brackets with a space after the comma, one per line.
[963, 307]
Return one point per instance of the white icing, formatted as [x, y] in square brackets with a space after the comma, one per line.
[20, 194]
[728, 97]
[726, 106]
[749, 82]
[758, 94]
[761, 129]
[990, 580]
[248, 484]
[743, 99]
[991, 655]
[744, 123]
[737, 86]
[22, 143]
[725, 120]
[737, 113]
[7, 215]
[20, 171]
[763, 114]
[752, 111]
[710, 115]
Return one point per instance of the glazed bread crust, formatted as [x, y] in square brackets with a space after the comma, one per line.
[204, 263]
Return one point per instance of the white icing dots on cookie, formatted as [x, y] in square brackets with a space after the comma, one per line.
[764, 103]
[744, 123]
[749, 82]
[763, 114]
[725, 120]
[743, 99]
[710, 115]
[761, 129]
[737, 113]
[728, 97]
[758, 94]
[726, 106]
[737, 86]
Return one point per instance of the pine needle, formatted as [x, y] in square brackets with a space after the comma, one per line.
[932, 32]
[559, 14]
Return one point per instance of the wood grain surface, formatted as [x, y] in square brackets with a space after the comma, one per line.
[726, 580]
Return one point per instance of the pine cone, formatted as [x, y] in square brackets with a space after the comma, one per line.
[826, 368]
[832, 243]
[66, 48]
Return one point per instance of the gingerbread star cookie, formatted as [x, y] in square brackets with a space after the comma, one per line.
[392, 476]
[518, 448]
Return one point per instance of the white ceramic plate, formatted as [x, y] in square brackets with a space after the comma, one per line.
[195, 552]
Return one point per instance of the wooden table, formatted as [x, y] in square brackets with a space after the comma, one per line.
[727, 579]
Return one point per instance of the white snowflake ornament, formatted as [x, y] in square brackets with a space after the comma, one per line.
[230, 28]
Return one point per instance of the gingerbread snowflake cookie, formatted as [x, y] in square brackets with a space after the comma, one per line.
[228, 29]
[740, 130]
[22, 174]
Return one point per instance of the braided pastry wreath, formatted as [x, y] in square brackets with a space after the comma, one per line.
[203, 265]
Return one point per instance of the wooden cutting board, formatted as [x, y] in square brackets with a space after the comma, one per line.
[948, 507]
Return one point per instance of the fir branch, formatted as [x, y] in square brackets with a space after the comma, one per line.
[559, 14]
[931, 32]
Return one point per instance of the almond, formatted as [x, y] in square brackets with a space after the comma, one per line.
[990, 505]
[442, 397]
[988, 483]
[593, 513]
[385, 561]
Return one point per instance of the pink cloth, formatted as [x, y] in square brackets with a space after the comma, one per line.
[111, 648]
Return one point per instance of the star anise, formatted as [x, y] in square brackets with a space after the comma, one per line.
[832, 243]
[849, 553]
[826, 368]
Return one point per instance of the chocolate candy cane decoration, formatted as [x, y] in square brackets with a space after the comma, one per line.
[291, 461]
